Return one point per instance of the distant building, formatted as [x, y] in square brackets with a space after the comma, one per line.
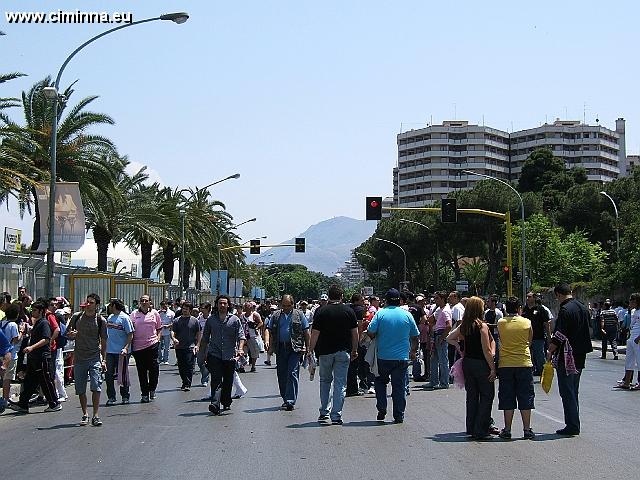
[431, 159]
[632, 161]
[352, 273]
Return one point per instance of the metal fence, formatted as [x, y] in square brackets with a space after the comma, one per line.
[130, 291]
[84, 284]
[157, 292]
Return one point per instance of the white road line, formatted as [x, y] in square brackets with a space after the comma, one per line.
[549, 417]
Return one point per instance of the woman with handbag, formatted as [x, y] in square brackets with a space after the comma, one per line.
[478, 367]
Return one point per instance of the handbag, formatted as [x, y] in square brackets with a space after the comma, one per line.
[547, 377]
[456, 370]
[260, 343]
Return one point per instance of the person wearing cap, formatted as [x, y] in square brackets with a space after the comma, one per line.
[396, 337]
[119, 338]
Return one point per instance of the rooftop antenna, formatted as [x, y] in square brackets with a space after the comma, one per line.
[483, 119]
[455, 111]
[584, 112]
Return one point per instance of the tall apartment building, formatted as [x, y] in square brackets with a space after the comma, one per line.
[431, 159]
[352, 272]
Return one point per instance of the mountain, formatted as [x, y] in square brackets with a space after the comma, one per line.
[328, 244]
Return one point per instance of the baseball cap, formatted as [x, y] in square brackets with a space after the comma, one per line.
[324, 296]
[419, 297]
[392, 293]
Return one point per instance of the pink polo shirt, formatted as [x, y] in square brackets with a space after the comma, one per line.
[145, 327]
[443, 315]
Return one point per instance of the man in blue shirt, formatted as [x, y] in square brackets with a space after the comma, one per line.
[396, 337]
[289, 333]
[5, 353]
[119, 337]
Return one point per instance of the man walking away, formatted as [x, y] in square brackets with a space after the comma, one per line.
[166, 316]
[609, 329]
[334, 337]
[119, 338]
[569, 346]
[396, 337]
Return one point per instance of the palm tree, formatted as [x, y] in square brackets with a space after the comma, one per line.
[80, 156]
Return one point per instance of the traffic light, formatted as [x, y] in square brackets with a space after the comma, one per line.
[255, 247]
[300, 245]
[449, 210]
[374, 208]
[505, 269]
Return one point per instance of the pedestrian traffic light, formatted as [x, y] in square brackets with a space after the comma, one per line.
[374, 208]
[449, 210]
[300, 245]
[255, 247]
[506, 269]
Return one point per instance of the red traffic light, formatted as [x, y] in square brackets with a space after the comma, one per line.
[374, 208]
[374, 204]
[505, 269]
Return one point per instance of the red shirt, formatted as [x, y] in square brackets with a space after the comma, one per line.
[53, 323]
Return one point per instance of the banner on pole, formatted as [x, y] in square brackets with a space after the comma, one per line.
[12, 239]
[69, 217]
[219, 277]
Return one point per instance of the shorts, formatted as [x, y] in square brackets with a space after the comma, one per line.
[254, 349]
[515, 383]
[10, 372]
[84, 369]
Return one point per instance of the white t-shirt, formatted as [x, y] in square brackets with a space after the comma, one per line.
[635, 323]
[457, 311]
[167, 319]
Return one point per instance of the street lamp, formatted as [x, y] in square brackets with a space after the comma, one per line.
[615, 209]
[403, 253]
[523, 236]
[220, 246]
[53, 94]
[183, 213]
[437, 269]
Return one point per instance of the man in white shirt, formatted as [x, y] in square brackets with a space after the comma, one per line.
[167, 316]
[457, 311]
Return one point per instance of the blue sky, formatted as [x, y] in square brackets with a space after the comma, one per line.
[304, 99]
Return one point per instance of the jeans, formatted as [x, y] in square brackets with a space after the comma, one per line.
[333, 369]
[611, 338]
[480, 395]
[221, 380]
[202, 365]
[110, 376]
[147, 367]
[163, 345]
[397, 371]
[568, 387]
[288, 370]
[440, 362]
[537, 352]
[185, 359]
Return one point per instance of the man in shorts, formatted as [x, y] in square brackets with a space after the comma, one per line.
[89, 330]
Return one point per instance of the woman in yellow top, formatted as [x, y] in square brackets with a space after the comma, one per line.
[515, 369]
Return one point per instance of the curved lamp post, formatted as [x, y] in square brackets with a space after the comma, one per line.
[437, 272]
[52, 93]
[403, 253]
[615, 209]
[183, 212]
[523, 236]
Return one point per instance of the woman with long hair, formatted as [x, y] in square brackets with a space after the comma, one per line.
[478, 367]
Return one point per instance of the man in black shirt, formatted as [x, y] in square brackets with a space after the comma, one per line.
[608, 323]
[357, 305]
[572, 326]
[38, 355]
[334, 335]
[184, 333]
[541, 325]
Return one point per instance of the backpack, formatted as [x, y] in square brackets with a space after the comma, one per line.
[62, 339]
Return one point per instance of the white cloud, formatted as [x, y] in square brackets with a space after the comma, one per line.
[154, 176]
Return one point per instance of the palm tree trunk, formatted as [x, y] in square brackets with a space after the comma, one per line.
[167, 262]
[35, 243]
[102, 238]
[186, 275]
[145, 249]
[198, 278]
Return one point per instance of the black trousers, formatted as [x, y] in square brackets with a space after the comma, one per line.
[148, 369]
[221, 379]
[185, 359]
[610, 338]
[480, 394]
[352, 378]
[38, 375]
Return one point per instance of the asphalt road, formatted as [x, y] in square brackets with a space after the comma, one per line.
[175, 437]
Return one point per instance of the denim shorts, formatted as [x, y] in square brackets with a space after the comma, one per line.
[515, 383]
[84, 369]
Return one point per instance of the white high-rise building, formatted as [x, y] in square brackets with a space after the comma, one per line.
[430, 160]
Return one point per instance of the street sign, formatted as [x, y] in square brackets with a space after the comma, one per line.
[367, 291]
[462, 285]
[134, 269]
[12, 238]
[65, 258]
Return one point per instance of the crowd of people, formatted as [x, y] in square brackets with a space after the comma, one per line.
[358, 348]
